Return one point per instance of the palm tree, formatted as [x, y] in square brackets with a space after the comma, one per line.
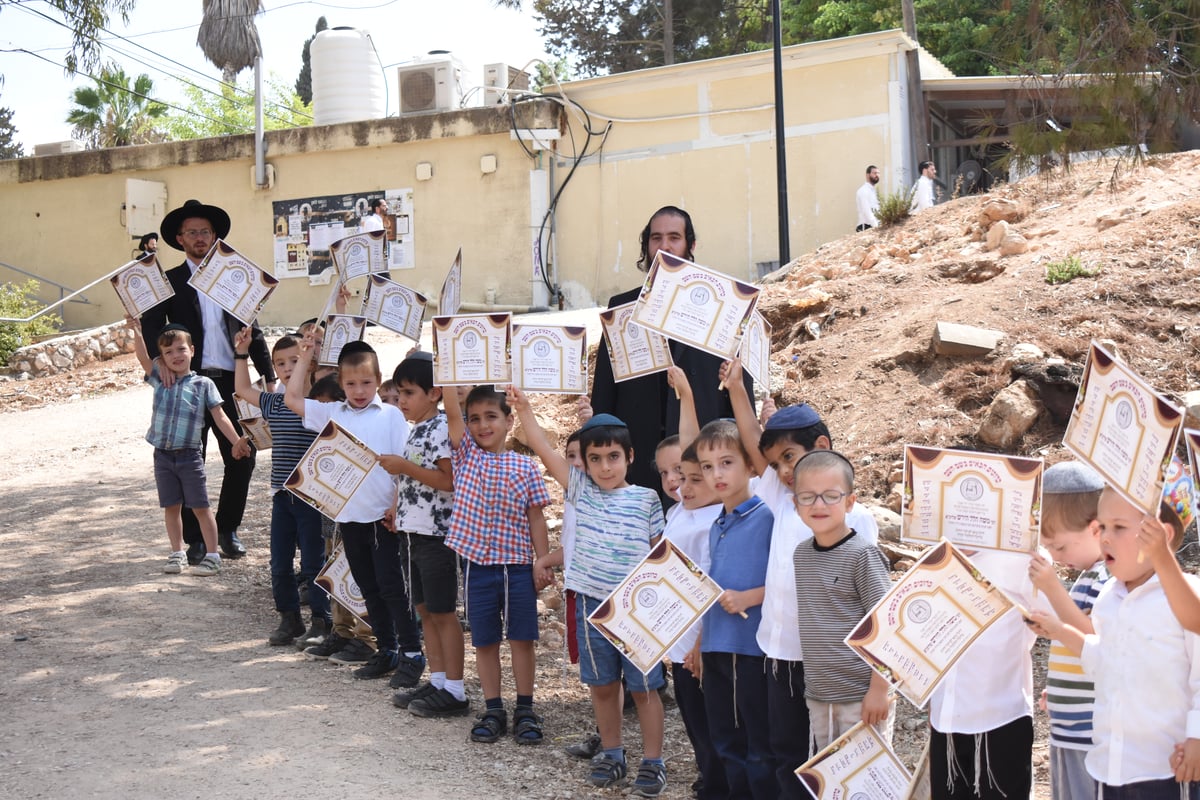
[112, 113]
[228, 35]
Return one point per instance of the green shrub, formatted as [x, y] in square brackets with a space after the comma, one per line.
[894, 207]
[1068, 270]
[20, 300]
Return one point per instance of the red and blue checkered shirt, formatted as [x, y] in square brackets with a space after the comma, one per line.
[492, 495]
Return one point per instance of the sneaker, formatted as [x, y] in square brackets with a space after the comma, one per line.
[354, 652]
[207, 566]
[651, 780]
[404, 699]
[586, 749]
[439, 703]
[408, 672]
[175, 563]
[607, 770]
[379, 664]
[332, 645]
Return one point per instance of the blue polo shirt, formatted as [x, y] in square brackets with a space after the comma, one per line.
[740, 542]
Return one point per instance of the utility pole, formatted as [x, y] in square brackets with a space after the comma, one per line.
[917, 115]
[668, 33]
[780, 138]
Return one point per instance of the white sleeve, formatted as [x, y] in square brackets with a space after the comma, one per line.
[317, 414]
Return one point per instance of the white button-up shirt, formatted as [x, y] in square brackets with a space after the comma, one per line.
[1147, 673]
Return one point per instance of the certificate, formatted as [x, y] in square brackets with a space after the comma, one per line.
[338, 583]
[1123, 429]
[233, 282]
[358, 255]
[695, 305]
[340, 329]
[657, 603]
[259, 432]
[1191, 439]
[858, 765]
[331, 470]
[450, 298]
[395, 307]
[928, 619]
[550, 358]
[141, 285]
[976, 500]
[472, 349]
[756, 350]
[632, 350]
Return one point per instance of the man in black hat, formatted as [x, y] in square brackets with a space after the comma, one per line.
[193, 228]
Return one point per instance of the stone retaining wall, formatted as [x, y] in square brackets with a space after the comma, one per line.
[65, 353]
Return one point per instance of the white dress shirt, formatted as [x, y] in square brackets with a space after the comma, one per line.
[867, 200]
[924, 196]
[1147, 673]
[217, 349]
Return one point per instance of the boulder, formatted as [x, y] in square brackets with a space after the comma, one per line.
[995, 235]
[1013, 244]
[888, 522]
[1000, 209]
[1012, 413]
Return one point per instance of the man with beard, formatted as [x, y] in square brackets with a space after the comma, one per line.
[867, 199]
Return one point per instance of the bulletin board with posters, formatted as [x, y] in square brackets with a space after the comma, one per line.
[305, 227]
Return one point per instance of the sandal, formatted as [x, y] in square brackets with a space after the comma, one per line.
[492, 724]
[527, 726]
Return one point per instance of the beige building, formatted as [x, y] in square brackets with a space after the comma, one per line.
[698, 135]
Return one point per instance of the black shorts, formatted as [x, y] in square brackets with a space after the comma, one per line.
[433, 579]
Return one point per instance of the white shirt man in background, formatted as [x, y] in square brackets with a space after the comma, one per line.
[926, 190]
[867, 200]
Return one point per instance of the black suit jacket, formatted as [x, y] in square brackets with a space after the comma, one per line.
[184, 309]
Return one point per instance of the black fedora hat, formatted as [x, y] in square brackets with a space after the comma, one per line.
[173, 221]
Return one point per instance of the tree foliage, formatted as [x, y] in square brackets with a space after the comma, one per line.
[85, 18]
[114, 113]
[9, 146]
[228, 36]
[304, 81]
[19, 300]
[233, 111]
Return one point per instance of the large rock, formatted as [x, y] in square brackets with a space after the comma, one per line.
[1191, 404]
[887, 521]
[999, 209]
[1011, 414]
[995, 235]
[1013, 244]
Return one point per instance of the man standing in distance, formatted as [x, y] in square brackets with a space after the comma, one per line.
[193, 228]
[374, 220]
[926, 193]
[867, 200]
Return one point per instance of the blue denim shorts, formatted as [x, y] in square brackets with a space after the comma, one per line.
[501, 603]
[179, 476]
[600, 662]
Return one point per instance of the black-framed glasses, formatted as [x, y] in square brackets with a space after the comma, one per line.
[828, 498]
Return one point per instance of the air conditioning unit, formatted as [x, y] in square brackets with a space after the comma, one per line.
[58, 148]
[430, 85]
[502, 82]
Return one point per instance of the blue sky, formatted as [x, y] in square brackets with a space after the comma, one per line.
[40, 93]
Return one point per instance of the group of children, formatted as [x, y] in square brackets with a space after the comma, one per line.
[769, 511]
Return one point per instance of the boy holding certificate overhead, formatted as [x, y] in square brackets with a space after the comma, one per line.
[616, 524]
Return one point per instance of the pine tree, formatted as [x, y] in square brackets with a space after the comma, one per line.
[9, 146]
[304, 82]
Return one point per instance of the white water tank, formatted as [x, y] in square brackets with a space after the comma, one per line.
[347, 82]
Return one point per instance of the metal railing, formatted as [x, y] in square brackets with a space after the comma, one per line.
[75, 296]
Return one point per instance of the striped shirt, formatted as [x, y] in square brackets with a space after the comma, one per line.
[493, 493]
[835, 588]
[613, 530]
[177, 420]
[290, 440]
[1070, 696]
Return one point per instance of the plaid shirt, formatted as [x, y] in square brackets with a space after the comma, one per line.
[178, 417]
[492, 494]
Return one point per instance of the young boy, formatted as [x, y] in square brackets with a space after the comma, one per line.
[175, 426]
[372, 551]
[499, 528]
[1145, 665]
[294, 523]
[1071, 534]
[616, 524]
[423, 518]
[788, 435]
[666, 461]
[733, 671]
[390, 393]
[840, 576]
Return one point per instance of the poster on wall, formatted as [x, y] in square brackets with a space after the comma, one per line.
[304, 228]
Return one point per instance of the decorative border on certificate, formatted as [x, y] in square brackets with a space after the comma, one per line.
[394, 306]
[340, 330]
[976, 500]
[233, 282]
[550, 358]
[1191, 442]
[259, 432]
[928, 619]
[755, 351]
[695, 305]
[657, 603]
[331, 470]
[337, 582]
[141, 285]
[450, 298]
[632, 350]
[472, 349]
[1123, 429]
[359, 254]
[858, 765]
